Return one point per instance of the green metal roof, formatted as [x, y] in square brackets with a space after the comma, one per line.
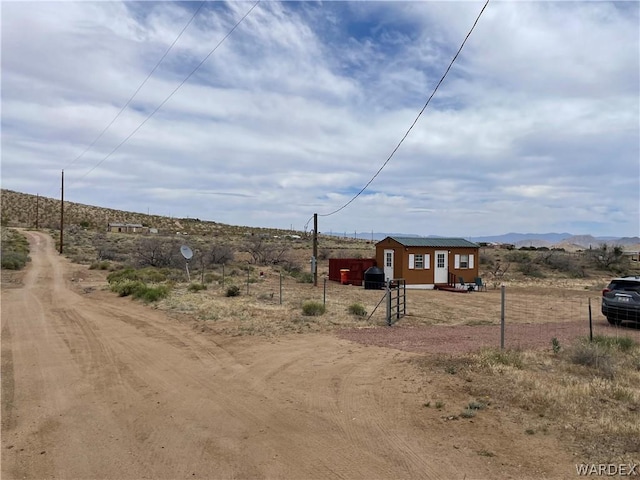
[434, 242]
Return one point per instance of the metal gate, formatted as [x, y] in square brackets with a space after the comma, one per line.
[396, 300]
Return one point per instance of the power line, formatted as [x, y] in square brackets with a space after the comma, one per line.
[139, 87]
[414, 122]
[171, 94]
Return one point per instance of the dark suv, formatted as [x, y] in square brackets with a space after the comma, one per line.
[621, 300]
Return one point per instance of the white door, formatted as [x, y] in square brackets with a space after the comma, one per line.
[388, 264]
[441, 267]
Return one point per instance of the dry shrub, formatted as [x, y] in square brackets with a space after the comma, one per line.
[233, 291]
[312, 308]
[595, 357]
[357, 309]
[574, 394]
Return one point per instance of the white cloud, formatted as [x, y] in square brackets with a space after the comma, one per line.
[536, 128]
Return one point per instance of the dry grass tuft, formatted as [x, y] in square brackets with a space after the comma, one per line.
[591, 402]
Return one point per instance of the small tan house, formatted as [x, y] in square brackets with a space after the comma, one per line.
[427, 262]
[127, 228]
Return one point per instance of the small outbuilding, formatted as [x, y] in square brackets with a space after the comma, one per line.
[127, 228]
[426, 262]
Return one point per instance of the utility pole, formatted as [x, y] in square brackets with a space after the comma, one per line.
[62, 215]
[315, 249]
[37, 208]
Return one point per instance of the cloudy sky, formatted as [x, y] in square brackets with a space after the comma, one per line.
[535, 129]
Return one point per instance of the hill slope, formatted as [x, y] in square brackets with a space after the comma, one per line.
[20, 210]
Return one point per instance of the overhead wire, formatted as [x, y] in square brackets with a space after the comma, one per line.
[124, 107]
[117, 147]
[414, 122]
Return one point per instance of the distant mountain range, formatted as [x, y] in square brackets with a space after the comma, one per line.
[518, 239]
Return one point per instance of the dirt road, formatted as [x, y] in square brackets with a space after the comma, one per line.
[103, 387]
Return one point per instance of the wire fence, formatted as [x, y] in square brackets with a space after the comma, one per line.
[510, 318]
[442, 321]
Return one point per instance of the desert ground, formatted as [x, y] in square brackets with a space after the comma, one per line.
[97, 386]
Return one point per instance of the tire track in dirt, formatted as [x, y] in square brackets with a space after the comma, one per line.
[340, 389]
[8, 380]
[112, 389]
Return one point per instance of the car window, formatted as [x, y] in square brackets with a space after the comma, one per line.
[623, 285]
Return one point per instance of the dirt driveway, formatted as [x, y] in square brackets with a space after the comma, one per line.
[104, 387]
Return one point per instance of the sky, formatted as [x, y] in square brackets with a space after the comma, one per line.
[535, 129]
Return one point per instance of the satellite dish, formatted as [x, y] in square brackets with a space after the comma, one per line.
[186, 252]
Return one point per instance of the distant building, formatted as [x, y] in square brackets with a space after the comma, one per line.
[127, 228]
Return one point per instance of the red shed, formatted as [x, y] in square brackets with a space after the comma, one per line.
[356, 266]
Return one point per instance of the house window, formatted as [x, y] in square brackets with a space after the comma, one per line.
[440, 260]
[389, 261]
[464, 261]
[419, 261]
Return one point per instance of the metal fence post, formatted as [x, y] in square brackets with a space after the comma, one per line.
[388, 302]
[248, 273]
[590, 323]
[502, 305]
[324, 292]
[404, 296]
[280, 288]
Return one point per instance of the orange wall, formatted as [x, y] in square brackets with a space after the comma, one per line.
[425, 276]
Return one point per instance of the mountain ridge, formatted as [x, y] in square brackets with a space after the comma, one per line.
[518, 239]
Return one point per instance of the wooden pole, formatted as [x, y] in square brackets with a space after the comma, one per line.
[315, 249]
[37, 209]
[502, 316]
[62, 216]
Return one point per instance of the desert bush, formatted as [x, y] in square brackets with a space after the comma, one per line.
[518, 256]
[357, 309]
[530, 269]
[218, 255]
[562, 262]
[154, 275]
[158, 252]
[623, 344]
[265, 252]
[304, 277]
[151, 294]
[126, 287]
[468, 413]
[121, 275]
[100, 265]
[15, 250]
[477, 405]
[486, 259]
[196, 287]
[232, 291]
[292, 267]
[594, 356]
[607, 257]
[312, 308]
[14, 260]
[212, 277]
[138, 289]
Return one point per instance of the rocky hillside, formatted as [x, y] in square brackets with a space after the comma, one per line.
[19, 210]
